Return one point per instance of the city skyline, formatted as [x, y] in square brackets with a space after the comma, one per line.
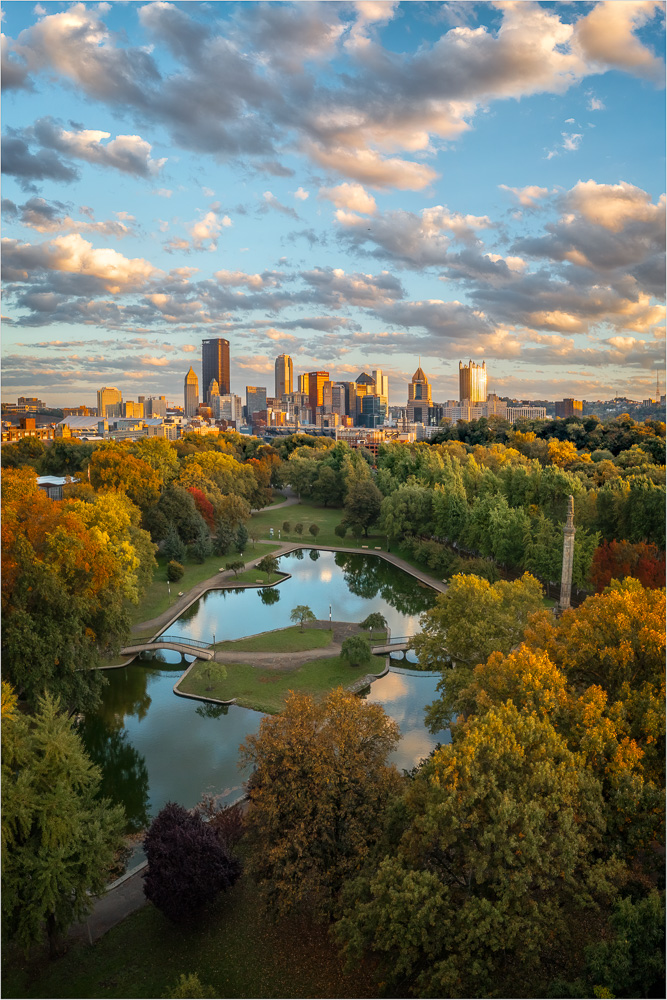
[364, 195]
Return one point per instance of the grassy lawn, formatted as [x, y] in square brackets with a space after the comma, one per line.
[235, 949]
[266, 690]
[284, 640]
[326, 518]
[156, 599]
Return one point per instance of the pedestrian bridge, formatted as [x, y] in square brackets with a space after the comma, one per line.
[179, 643]
[395, 644]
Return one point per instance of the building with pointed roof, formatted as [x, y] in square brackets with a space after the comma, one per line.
[191, 393]
[419, 398]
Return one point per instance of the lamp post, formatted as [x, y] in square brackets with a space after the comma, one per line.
[169, 590]
[330, 625]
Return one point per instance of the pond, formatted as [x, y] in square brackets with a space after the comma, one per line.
[154, 747]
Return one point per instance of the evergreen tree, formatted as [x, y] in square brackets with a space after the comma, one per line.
[241, 538]
[173, 548]
[202, 548]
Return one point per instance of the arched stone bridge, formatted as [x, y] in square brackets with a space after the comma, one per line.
[179, 643]
[396, 644]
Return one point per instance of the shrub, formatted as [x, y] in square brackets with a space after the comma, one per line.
[175, 571]
[287, 527]
[298, 528]
[356, 650]
[190, 987]
[314, 530]
[340, 530]
[187, 864]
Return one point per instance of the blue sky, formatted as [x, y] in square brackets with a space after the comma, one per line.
[356, 184]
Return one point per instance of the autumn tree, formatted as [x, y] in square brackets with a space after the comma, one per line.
[617, 559]
[58, 837]
[113, 467]
[319, 783]
[492, 847]
[203, 505]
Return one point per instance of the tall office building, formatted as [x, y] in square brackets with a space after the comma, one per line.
[109, 402]
[333, 398]
[215, 365]
[191, 393]
[419, 398]
[472, 382]
[255, 400]
[316, 382]
[569, 408]
[302, 383]
[381, 384]
[231, 408]
[156, 406]
[284, 375]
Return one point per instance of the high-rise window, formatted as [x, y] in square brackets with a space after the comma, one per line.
[215, 365]
[316, 382]
[472, 382]
[191, 393]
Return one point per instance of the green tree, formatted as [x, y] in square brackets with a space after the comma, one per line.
[376, 621]
[298, 528]
[268, 565]
[631, 962]
[224, 540]
[241, 538]
[190, 986]
[340, 530]
[59, 839]
[314, 530]
[356, 650]
[236, 565]
[173, 548]
[468, 623]
[326, 488]
[362, 505]
[319, 783]
[201, 547]
[232, 510]
[302, 614]
[175, 570]
[287, 527]
[492, 847]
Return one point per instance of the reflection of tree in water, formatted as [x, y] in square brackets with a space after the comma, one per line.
[125, 694]
[298, 554]
[367, 576]
[269, 595]
[124, 772]
[211, 711]
[314, 555]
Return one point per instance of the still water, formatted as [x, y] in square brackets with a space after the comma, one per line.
[154, 747]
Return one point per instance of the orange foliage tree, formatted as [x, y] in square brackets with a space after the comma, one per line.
[616, 560]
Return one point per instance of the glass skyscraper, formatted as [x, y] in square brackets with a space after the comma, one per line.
[215, 365]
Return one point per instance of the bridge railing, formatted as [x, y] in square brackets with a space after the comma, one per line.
[182, 640]
[395, 640]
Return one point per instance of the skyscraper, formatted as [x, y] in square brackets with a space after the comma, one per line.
[255, 400]
[109, 400]
[381, 384]
[215, 365]
[472, 382]
[316, 382]
[191, 393]
[419, 398]
[284, 375]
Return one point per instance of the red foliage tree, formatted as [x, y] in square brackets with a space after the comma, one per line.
[616, 560]
[203, 505]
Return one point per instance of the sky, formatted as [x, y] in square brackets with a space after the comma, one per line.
[357, 184]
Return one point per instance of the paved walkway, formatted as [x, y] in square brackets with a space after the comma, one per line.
[111, 909]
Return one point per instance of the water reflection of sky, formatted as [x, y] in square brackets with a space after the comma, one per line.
[154, 747]
[353, 585]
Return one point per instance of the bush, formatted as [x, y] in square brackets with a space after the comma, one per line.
[190, 988]
[287, 527]
[298, 528]
[175, 571]
[340, 530]
[314, 530]
[187, 864]
[356, 650]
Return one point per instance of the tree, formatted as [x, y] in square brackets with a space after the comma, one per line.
[493, 845]
[302, 614]
[175, 571]
[113, 467]
[236, 565]
[213, 672]
[375, 621]
[356, 650]
[224, 540]
[268, 565]
[319, 783]
[314, 530]
[632, 961]
[618, 559]
[362, 505]
[340, 530]
[468, 623]
[201, 547]
[177, 506]
[59, 838]
[187, 865]
[204, 506]
[190, 986]
[241, 538]
[173, 548]
[298, 528]
[232, 510]
[287, 527]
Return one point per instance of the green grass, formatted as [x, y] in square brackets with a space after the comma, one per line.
[236, 949]
[326, 518]
[156, 600]
[266, 690]
[284, 640]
